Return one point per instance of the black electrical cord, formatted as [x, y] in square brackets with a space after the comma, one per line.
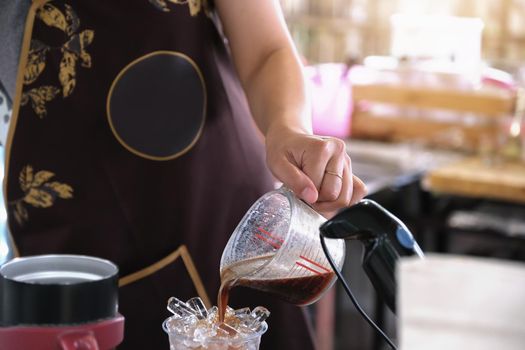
[352, 297]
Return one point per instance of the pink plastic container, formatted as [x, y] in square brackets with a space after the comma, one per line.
[331, 95]
[102, 335]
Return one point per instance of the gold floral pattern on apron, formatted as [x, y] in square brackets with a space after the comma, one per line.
[194, 5]
[39, 191]
[73, 51]
[38, 97]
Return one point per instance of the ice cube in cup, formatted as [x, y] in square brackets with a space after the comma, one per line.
[198, 305]
[180, 308]
[257, 316]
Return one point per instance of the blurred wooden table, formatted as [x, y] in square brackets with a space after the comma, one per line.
[471, 177]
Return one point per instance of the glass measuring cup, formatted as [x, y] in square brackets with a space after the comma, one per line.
[276, 249]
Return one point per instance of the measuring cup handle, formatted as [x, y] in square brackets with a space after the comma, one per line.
[78, 340]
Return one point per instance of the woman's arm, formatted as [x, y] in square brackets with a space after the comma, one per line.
[266, 61]
[316, 168]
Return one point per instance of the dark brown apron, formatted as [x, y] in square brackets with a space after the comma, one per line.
[131, 140]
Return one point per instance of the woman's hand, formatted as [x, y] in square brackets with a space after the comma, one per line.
[318, 169]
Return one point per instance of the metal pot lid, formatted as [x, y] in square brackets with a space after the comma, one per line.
[58, 269]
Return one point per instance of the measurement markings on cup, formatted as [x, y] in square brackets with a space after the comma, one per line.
[269, 238]
[313, 265]
[277, 242]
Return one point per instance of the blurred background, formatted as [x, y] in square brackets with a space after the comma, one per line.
[429, 96]
[334, 30]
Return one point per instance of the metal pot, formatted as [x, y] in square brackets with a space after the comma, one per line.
[57, 290]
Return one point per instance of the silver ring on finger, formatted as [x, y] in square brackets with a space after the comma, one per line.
[334, 174]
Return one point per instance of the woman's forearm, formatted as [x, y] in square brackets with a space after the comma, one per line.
[277, 95]
[267, 63]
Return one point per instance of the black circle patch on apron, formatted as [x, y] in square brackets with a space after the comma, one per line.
[156, 105]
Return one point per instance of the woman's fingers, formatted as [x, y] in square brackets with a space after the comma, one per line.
[315, 158]
[334, 174]
[323, 163]
[352, 191]
[344, 196]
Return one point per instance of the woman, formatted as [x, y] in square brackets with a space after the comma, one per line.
[131, 137]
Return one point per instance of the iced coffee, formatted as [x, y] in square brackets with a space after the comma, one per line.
[195, 327]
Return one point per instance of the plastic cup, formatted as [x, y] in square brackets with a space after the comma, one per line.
[180, 340]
